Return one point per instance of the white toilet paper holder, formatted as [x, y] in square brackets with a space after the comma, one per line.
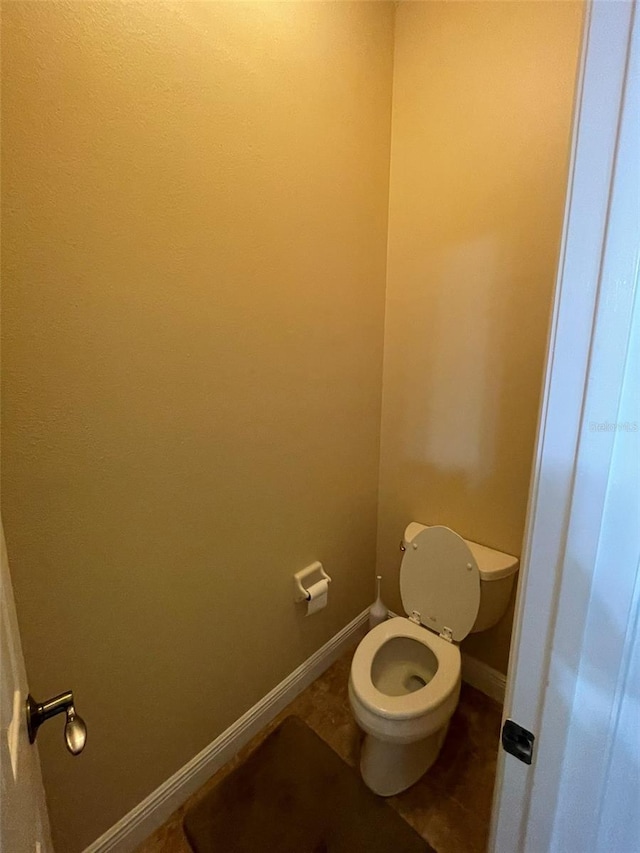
[312, 574]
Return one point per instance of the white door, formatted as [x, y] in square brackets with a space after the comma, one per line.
[574, 661]
[24, 824]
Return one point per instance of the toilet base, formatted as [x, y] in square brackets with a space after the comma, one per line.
[389, 768]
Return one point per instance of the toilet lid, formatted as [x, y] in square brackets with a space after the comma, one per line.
[440, 580]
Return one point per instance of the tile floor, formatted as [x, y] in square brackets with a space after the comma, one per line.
[450, 806]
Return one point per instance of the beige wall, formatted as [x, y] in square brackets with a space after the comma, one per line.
[195, 218]
[482, 105]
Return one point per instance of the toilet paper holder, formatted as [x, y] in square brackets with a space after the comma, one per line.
[305, 578]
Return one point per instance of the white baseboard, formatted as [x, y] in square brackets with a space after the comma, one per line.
[153, 811]
[484, 678]
[480, 675]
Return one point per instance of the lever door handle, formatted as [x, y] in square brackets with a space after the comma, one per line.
[75, 729]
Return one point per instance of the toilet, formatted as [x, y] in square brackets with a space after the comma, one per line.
[404, 683]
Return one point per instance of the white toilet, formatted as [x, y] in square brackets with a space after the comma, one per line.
[405, 674]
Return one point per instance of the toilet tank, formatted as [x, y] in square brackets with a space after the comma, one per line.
[497, 576]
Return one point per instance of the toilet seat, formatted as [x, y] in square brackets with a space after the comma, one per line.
[439, 580]
[444, 682]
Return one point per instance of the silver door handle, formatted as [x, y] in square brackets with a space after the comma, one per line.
[75, 729]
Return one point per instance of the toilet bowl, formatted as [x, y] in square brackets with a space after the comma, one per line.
[403, 689]
[404, 683]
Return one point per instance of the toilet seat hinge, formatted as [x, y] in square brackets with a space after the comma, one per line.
[415, 617]
[447, 634]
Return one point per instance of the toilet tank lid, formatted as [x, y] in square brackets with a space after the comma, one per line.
[493, 565]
